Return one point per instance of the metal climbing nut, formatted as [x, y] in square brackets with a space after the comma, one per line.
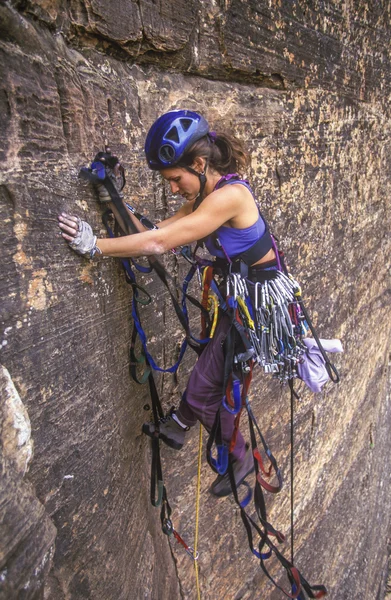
[167, 526]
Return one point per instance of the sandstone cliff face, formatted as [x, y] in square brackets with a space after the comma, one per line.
[306, 85]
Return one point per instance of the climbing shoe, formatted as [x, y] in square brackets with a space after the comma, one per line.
[222, 485]
[169, 431]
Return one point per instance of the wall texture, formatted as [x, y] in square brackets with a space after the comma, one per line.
[306, 85]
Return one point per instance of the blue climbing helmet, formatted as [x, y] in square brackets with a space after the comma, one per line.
[171, 135]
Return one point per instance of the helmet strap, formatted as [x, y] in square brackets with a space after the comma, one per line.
[202, 178]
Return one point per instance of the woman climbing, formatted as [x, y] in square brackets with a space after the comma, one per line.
[261, 318]
[219, 208]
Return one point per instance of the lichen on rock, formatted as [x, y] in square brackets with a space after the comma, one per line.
[16, 442]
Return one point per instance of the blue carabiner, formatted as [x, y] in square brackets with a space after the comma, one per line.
[231, 302]
[99, 169]
[237, 399]
[221, 462]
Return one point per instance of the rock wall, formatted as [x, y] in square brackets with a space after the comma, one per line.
[306, 85]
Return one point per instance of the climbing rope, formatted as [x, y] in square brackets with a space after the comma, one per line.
[198, 495]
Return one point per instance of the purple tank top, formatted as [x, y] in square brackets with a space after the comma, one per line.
[233, 240]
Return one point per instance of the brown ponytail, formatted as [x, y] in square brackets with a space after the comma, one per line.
[223, 153]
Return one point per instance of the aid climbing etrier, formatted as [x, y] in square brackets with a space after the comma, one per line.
[105, 170]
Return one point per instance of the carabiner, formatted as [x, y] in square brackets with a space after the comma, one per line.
[191, 553]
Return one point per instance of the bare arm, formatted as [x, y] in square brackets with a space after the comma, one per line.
[182, 212]
[185, 227]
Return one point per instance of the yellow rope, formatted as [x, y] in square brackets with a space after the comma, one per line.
[198, 514]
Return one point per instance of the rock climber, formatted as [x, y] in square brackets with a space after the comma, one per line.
[206, 169]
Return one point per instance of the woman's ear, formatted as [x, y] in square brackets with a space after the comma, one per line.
[199, 164]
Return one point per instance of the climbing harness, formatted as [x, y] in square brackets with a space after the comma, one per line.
[268, 322]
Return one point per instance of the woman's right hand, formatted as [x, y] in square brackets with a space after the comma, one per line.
[78, 234]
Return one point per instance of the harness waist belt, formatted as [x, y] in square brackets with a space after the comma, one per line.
[257, 250]
[260, 273]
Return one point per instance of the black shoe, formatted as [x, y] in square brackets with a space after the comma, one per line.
[222, 485]
[169, 431]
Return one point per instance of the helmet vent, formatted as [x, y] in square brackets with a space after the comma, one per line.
[173, 135]
[166, 154]
[186, 123]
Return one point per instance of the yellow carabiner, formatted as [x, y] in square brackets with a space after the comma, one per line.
[246, 312]
[213, 299]
[297, 291]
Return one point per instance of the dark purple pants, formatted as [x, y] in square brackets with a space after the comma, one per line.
[204, 391]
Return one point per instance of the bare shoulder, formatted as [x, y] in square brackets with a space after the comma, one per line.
[228, 193]
[235, 202]
[235, 192]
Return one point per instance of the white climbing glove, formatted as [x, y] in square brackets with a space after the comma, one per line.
[85, 240]
[79, 235]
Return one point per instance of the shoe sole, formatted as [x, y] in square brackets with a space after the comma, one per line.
[226, 492]
[166, 440]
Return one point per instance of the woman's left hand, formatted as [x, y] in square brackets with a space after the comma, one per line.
[78, 234]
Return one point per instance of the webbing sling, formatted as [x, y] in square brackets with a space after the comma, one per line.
[127, 222]
[158, 493]
[138, 331]
[298, 582]
[153, 261]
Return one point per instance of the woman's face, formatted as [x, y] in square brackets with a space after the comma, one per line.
[182, 182]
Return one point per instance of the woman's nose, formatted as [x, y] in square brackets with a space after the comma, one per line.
[174, 187]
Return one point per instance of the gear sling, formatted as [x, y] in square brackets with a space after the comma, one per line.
[267, 323]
